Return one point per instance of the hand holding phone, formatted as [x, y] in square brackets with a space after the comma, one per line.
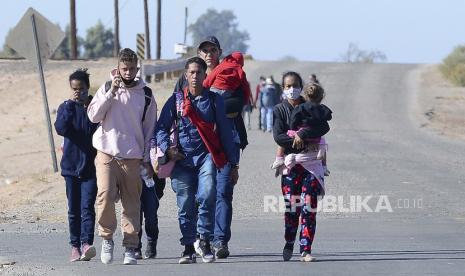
[116, 83]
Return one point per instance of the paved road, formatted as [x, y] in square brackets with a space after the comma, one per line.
[378, 152]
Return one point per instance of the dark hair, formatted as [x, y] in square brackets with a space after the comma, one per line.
[197, 60]
[80, 75]
[127, 55]
[262, 78]
[314, 79]
[295, 75]
[313, 91]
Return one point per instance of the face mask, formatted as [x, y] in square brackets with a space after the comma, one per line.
[127, 82]
[292, 93]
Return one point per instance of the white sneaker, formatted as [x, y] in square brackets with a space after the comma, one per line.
[206, 252]
[197, 248]
[130, 256]
[106, 255]
[307, 257]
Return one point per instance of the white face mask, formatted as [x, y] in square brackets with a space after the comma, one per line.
[292, 93]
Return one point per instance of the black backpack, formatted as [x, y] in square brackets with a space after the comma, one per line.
[148, 96]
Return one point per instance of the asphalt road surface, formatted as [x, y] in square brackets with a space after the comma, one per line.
[393, 206]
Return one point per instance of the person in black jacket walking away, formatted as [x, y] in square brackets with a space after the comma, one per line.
[77, 165]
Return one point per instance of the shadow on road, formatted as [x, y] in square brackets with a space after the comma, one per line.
[361, 256]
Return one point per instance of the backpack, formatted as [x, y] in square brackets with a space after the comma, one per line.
[148, 97]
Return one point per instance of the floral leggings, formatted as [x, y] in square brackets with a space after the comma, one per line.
[300, 189]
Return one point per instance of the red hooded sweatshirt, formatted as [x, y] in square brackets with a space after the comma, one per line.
[228, 75]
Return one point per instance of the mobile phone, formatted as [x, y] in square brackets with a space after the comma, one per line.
[121, 83]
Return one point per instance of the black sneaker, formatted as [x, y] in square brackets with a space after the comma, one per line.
[287, 251]
[151, 250]
[188, 256]
[221, 250]
[206, 251]
[138, 253]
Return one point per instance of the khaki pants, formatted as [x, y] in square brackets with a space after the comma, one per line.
[118, 177]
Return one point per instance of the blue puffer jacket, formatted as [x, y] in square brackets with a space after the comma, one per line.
[78, 153]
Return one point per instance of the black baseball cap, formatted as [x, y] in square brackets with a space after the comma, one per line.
[210, 39]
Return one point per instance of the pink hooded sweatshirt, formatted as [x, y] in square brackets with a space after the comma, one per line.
[122, 133]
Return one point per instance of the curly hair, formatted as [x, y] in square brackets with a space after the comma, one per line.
[313, 91]
[127, 55]
[80, 75]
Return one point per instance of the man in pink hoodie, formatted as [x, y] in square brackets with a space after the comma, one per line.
[127, 113]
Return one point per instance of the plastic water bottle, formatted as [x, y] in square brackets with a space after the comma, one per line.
[148, 180]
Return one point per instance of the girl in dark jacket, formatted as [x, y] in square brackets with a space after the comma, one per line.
[77, 165]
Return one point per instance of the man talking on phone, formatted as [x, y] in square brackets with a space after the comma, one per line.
[127, 113]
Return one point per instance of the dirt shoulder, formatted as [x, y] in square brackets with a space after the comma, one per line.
[441, 106]
[29, 190]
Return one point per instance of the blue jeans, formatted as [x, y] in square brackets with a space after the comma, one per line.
[224, 198]
[148, 211]
[267, 118]
[81, 194]
[191, 184]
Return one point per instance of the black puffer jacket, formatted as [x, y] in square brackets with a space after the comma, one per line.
[281, 124]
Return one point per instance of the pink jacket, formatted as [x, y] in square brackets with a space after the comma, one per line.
[122, 133]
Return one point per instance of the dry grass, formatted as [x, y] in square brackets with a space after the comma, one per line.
[453, 66]
[29, 190]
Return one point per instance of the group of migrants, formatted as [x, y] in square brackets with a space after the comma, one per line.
[116, 149]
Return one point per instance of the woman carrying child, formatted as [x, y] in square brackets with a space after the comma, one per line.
[300, 187]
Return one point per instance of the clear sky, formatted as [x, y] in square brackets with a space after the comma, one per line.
[407, 31]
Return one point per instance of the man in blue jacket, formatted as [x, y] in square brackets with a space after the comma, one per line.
[209, 49]
[77, 166]
[205, 145]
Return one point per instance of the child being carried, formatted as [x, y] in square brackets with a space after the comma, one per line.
[310, 114]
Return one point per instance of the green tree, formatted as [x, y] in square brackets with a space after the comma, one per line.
[453, 66]
[223, 25]
[99, 42]
[64, 50]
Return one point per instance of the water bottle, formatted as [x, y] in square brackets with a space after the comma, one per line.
[148, 180]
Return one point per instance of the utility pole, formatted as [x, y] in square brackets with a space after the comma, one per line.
[73, 40]
[147, 31]
[185, 25]
[158, 29]
[116, 47]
